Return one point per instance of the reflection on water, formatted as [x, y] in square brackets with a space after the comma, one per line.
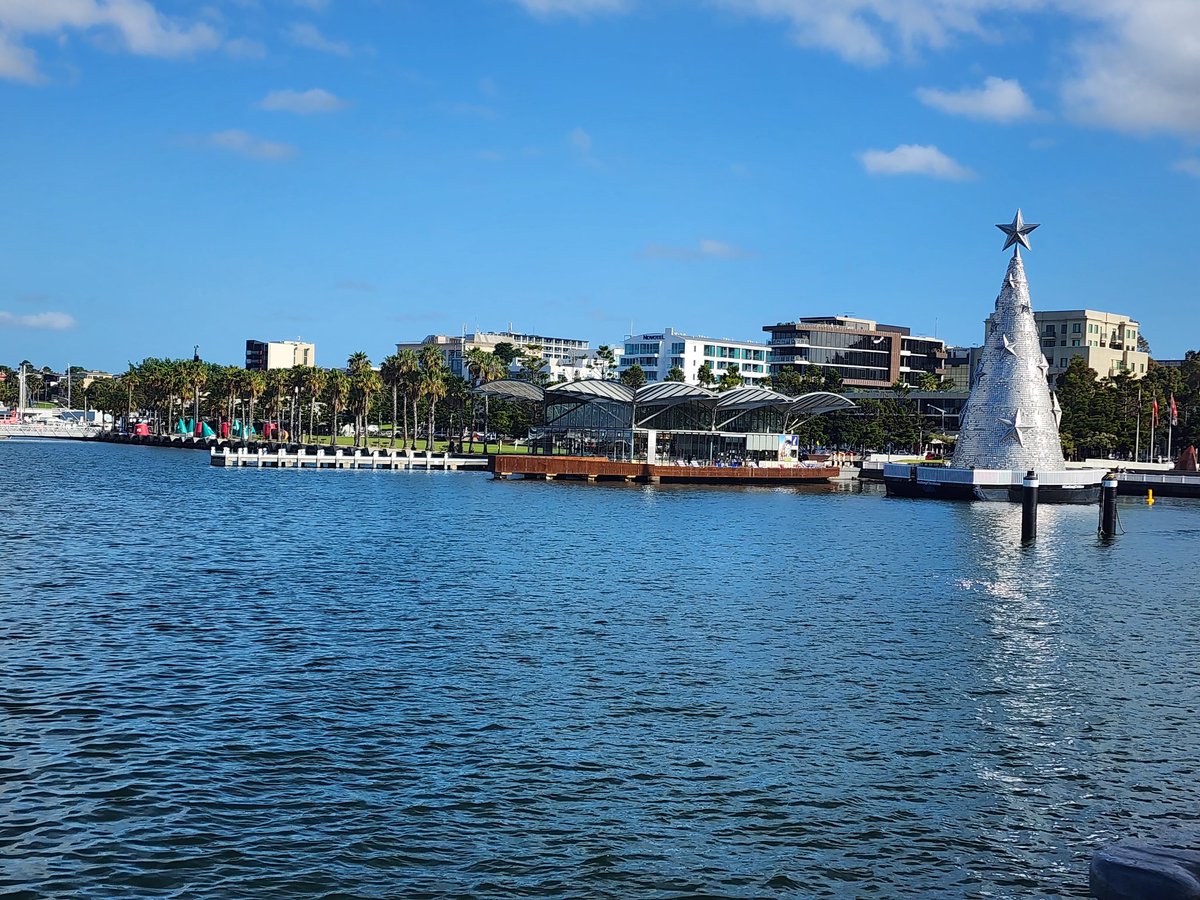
[224, 683]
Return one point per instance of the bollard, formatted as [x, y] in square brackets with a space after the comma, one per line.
[1108, 505]
[1150, 496]
[1029, 502]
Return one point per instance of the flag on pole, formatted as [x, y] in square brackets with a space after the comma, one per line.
[1174, 412]
[1154, 414]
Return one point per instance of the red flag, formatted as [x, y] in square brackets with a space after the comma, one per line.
[1154, 414]
[1174, 412]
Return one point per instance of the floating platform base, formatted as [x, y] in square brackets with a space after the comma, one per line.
[1004, 485]
[594, 468]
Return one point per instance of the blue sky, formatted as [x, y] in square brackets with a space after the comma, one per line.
[359, 172]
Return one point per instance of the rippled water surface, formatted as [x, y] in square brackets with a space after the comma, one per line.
[274, 683]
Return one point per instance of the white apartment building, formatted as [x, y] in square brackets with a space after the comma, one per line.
[658, 352]
[564, 356]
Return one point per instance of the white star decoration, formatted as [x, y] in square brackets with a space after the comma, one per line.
[979, 370]
[1056, 409]
[1042, 365]
[1017, 233]
[1010, 346]
[1016, 425]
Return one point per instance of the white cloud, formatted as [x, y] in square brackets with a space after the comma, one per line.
[999, 100]
[304, 103]
[868, 32]
[705, 248]
[914, 159]
[1143, 75]
[304, 34]
[137, 26]
[53, 321]
[579, 8]
[1189, 166]
[245, 144]
[17, 63]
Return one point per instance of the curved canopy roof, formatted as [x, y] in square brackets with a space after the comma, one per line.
[671, 392]
[511, 389]
[750, 397]
[818, 402]
[592, 389]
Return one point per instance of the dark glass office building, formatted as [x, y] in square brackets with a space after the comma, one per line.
[865, 353]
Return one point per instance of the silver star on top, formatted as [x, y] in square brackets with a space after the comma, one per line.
[1017, 232]
[1009, 345]
[1015, 426]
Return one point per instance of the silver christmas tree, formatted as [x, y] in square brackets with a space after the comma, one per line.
[1011, 418]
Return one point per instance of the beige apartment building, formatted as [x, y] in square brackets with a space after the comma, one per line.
[1108, 342]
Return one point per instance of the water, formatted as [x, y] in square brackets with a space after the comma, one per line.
[221, 683]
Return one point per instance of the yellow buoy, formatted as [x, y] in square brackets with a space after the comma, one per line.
[1149, 496]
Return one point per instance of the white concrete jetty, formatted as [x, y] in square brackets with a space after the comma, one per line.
[341, 458]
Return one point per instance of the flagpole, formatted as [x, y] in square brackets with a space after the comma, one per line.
[1153, 425]
[1137, 440]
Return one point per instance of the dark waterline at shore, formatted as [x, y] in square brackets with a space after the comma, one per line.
[266, 683]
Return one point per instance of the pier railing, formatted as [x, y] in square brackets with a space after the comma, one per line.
[341, 458]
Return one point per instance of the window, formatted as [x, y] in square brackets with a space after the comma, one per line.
[1049, 329]
[1063, 362]
[1049, 342]
[1075, 343]
[1062, 343]
[1076, 328]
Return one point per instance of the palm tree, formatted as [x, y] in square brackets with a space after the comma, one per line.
[337, 389]
[356, 365]
[255, 384]
[313, 386]
[392, 376]
[427, 385]
[364, 385]
[231, 383]
[433, 389]
[409, 364]
[476, 361]
[131, 379]
[493, 370]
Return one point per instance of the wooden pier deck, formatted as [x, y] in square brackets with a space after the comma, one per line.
[593, 468]
[342, 458]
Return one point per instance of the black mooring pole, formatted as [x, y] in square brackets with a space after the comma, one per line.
[1108, 505]
[1029, 502]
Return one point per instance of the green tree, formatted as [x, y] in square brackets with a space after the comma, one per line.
[606, 361]
[507, 352]
[705, 375]
[533, 365]
[432, 387]
[676, 374]
[337, 391]
[633, 377]
[393, 377]
[731, 377]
